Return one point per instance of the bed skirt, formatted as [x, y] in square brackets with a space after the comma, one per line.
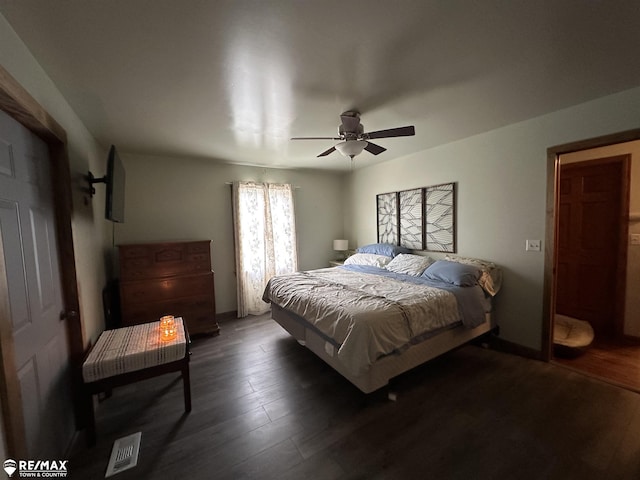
[386, 367]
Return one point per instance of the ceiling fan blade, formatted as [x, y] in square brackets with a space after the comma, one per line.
[373, 148]
[392, 132]
[327, 152]
[317, 138]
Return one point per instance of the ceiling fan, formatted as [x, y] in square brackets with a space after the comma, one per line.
[355, 139]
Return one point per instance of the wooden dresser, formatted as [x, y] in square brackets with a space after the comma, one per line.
[168, 279]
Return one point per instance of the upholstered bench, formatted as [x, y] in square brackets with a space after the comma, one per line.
[130, 354]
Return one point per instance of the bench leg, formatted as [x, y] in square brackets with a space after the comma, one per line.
[91, 420]
[186, 383]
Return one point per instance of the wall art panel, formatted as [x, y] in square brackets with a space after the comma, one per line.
[440, 218]
[411, 208]
[387, 210]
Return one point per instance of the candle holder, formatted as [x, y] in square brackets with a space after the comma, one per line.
[168, 330]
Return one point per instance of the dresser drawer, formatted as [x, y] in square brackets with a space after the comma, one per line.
[199, 247]
[187, 308]
[140, 269]
[163, 259]
[153, 290]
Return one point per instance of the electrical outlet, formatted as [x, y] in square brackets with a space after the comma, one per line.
[635, 239]
[532, 245]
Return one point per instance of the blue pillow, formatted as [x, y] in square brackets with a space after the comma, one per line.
[459, 274]
[383, 249]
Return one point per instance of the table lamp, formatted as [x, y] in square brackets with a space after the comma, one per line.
[341, 246]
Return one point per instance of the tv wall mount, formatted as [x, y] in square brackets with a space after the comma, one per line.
[91, 179]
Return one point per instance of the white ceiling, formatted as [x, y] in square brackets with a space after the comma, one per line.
[234, 80]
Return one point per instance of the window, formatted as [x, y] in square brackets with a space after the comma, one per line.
[265, 239]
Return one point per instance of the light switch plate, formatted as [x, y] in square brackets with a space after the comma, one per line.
[635, 239]
[533, 245]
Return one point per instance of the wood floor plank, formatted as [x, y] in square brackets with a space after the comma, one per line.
[318, 467]
[270, 463]
[624, 463]
[612, 360]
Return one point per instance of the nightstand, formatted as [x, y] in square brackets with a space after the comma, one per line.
[336, 263]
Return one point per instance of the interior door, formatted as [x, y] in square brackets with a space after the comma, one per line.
[589, 242]
[27, 226]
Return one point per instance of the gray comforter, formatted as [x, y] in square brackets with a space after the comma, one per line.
[366, 315]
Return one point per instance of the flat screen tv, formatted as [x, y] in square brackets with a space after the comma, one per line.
[115, 178]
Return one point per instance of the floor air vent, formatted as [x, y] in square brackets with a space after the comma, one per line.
[124, 454]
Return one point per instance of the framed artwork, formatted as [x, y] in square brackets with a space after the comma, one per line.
[440, 218]
[387, 211]
[411, 211]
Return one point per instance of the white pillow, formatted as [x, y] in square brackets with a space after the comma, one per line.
[371, 259]
[490, 279]
[409, 264]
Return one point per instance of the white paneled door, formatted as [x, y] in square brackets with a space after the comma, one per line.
[27, 226]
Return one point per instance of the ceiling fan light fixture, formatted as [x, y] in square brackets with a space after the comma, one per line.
[351, 148]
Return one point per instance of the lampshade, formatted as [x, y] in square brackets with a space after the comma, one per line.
[341, 245]
[351, 148]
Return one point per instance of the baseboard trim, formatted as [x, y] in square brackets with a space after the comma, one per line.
[632, 339]
[506, 346]
[233, 314]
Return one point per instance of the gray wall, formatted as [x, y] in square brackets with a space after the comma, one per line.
[171, 199]
[501, 177]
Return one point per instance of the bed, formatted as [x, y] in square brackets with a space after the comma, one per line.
[381, 315]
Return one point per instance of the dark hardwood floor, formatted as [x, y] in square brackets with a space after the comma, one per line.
[266, 408]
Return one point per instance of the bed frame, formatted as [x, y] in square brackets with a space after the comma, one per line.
[386, 367]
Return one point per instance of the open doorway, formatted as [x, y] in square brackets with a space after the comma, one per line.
[594, 265]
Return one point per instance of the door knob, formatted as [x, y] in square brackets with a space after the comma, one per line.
[70, 314]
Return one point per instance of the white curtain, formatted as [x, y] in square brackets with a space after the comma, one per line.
[265, 240]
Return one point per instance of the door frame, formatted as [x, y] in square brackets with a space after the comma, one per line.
[19, 104]
[552, 218]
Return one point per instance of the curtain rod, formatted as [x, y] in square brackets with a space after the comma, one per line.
[294, 186]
